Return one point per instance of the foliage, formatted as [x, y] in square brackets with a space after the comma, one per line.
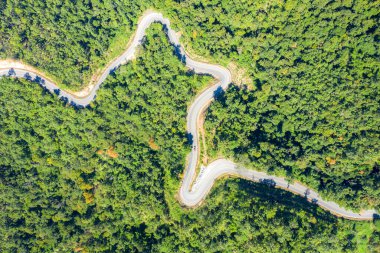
[334, 150]
[70, 40]
[63, 190]
[311, 112]
[103, 179]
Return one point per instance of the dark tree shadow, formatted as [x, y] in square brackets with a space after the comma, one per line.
[190, 72]
[178, 53]
[65, 100]
[143, 40]
[165, 28]
[113, 70]
[28, 77]
[219, 93]
[190, 138]
[11, 72]
[72, 103]
[39, 80]
[76, 106]
[307, 193]
[270, 194]
[268, 182]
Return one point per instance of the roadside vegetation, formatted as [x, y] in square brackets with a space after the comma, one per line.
[69, 40]
[329, 143]
[312, 112]
[104, 178]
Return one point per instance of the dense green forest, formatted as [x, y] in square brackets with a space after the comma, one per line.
[334, 150]
[278, 42]
[69, 40]
[104, 178]
[312, 112]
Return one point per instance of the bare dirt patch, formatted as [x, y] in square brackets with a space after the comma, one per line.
[152, 144]
[112, 153]
[239, 75]
[202, 132]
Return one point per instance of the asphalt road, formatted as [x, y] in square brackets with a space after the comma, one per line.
[193, 189]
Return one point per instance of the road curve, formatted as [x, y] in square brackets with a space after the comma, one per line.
[193, 190]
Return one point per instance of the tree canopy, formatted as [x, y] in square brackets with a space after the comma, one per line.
[104, 178]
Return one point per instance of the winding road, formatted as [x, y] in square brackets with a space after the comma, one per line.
[193, 189]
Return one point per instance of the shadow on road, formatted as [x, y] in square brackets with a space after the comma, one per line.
[273, 196]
